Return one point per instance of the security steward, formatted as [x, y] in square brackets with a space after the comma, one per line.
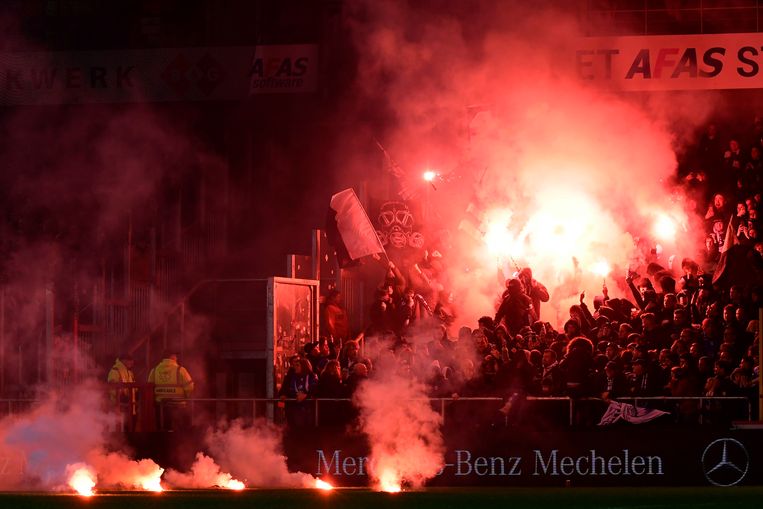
[124, 398]
[172, 386]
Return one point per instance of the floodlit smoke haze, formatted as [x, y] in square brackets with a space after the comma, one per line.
[64, 444]
[204, 473]
[561, 176]
[253, 454]
[406, 445]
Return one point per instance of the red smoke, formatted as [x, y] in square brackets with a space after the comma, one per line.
[403, 431]
[561, 176]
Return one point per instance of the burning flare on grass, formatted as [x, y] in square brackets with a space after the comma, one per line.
[323, 485]
[117, 471]
[235, 485]
[389, 482]
[403, 429]
[82, 479]
[152, 484]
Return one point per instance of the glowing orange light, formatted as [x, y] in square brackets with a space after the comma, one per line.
[499, 240]
[564, 229]
[153, 482]
[389, 481]
[429, 175]
[82, 481]
[664, 227]
[601, 268]
[234, 484]
[323, 485]
[559, 232]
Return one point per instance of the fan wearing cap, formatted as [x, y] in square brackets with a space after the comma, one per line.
[645, 381]
[613, 384]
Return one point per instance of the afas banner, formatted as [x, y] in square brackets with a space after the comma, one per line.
[284, 69]
[676, 62]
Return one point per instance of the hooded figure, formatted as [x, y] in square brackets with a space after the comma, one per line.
[576, 366]
[533, 289]
[516, 309]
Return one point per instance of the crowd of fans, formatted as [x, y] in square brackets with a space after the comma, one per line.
[681, 334]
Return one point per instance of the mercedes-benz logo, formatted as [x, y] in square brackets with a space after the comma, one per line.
[725, 462]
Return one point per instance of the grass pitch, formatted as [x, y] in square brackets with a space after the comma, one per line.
[435, 498]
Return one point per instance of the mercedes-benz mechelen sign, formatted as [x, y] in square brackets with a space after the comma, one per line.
[631, 455]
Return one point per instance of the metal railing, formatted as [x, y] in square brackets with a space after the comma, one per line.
[16, 406]
[700, 400]
[259, 405]
[255, 408]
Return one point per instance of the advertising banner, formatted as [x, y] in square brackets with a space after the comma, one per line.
[672, 62]
[149, 75]
[621, 456]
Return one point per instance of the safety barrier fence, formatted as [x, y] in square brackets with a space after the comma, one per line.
[148, 416]
[16, 406]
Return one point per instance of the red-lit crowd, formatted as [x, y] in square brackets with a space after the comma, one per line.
[679, 334]
[724, 178]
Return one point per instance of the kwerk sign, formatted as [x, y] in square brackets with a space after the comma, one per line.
[149, 75]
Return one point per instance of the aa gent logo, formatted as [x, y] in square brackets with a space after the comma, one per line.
[725, 462]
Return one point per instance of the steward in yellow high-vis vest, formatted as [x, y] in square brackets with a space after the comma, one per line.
[170, 379]
[121, 372]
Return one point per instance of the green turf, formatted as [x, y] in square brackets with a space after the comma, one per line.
[439, 498]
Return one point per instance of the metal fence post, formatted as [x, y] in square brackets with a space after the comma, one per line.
[701, 410]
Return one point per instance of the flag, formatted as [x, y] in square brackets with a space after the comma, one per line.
[356, 234]
[473, 219]
[629, 413]
[729, 240]
[410, 187]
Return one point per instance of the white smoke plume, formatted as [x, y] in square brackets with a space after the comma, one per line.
[116, 471]
[59, 432]
[403, 430]
[65, 437]
[253, 455]
[204, 473]
[62, 445]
